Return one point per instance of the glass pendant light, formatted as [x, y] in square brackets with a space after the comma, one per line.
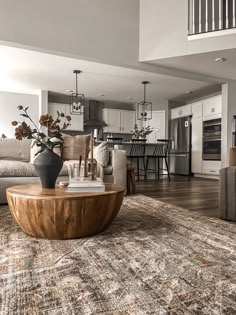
[144, 108]
[77, 99]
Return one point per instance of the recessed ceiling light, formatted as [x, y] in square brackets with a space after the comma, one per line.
[188, 92]
[101, 94]
[220, 59]
[69, 91]
[130, 98]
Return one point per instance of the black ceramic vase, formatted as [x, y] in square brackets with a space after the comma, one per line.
[48, 166]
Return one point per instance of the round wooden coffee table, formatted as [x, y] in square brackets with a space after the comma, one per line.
[58, 214]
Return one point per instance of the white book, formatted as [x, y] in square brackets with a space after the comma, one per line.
[74, 185]
[86, 183]
[86, 189]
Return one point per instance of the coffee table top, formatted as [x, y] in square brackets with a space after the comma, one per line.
[35, 191]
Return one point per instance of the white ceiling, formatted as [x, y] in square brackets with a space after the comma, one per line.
[205, 63]
[27, 71]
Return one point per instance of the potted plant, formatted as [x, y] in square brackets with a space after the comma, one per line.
[141, 133]
[47, 164]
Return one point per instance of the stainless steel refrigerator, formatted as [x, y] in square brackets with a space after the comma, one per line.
[180, 153]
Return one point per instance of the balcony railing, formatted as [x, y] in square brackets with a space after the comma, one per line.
[211, 16]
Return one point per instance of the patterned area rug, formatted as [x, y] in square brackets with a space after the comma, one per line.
[154, 259]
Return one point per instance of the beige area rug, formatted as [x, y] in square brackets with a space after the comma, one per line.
[154, 259]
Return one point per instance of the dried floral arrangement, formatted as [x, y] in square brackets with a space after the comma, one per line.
[141, 133]
[51, 139]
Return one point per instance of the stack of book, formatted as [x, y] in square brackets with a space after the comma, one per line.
[86, 185]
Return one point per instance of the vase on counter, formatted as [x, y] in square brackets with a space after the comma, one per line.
[48, 166]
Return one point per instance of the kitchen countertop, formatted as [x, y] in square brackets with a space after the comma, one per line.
[119, 142]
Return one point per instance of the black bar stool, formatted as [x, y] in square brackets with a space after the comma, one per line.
[160, 152]
[137, 152]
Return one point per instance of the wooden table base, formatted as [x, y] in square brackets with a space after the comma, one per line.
[58, 214]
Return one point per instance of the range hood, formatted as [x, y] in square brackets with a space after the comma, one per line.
[95, 114]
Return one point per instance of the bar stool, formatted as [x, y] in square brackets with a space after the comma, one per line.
[137, 152]
[160, 152]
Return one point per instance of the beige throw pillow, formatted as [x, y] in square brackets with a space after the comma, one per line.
[101, 154]
[74, 147]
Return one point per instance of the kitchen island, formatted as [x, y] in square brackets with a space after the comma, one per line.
[126, 145]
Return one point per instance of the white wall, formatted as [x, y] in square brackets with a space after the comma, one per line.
[163, 105]
[228, 110]
[164, 31]
[9, 112]
[102, 30]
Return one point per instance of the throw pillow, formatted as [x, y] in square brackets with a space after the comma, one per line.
[101, 154]
[74, 147]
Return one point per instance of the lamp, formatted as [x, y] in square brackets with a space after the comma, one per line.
[77, 99]
[144, 108]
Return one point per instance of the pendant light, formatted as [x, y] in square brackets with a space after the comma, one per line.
[144, 108]
[77, 99]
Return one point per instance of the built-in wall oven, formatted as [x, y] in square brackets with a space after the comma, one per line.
[212, 140]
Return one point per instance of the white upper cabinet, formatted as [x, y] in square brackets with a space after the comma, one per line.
[186, 110]
[175, 113]
[212, 105]
[197, 110]
[112, 119]
[127, 120]
[118, 121]
[77, 121]
[182, 111]
[206, 107]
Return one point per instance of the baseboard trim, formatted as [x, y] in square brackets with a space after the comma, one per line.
[216, 177]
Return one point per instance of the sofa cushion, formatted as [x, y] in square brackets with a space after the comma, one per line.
[16, 169]
[74, 147]
[10, 168]
[13, 149]
[101, 154]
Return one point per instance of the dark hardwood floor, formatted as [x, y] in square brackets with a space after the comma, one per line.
[195, 194]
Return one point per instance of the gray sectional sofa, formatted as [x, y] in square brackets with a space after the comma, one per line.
[16, 168]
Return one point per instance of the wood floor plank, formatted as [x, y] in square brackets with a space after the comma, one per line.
[195, 194]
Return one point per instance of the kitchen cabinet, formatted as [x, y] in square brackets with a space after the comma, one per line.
[197, 110]
[127, 121]
[197, 145]
[207, 109]
[118, 121]
[211, 167]
[112, 118]
[157, 123]
[77, 121]
[175, 112]
[204, 108]
[182, 111]
[212, 105]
